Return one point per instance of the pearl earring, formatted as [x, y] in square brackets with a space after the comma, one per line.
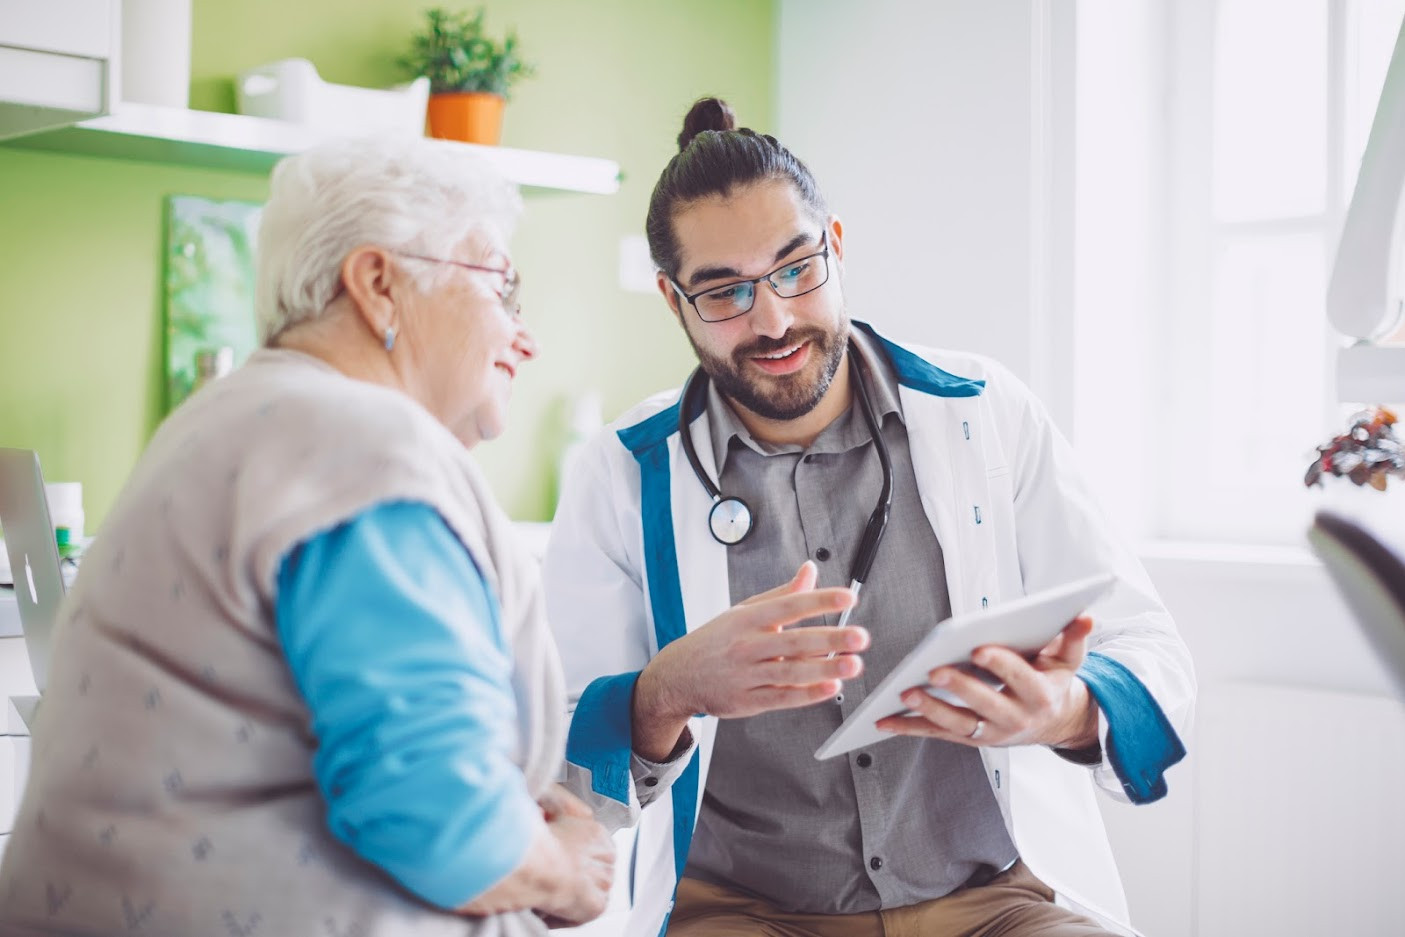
[389, 337]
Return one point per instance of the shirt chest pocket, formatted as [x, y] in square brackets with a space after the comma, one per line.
[1000, 514]
[1000, 492]
[999, 496]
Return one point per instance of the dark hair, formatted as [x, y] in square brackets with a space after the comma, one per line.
[714, 158]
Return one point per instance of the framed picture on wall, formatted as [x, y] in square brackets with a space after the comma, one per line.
[209, 290]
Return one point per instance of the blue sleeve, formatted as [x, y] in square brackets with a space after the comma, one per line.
[1142, 744]
[393, 640]
[600, 738]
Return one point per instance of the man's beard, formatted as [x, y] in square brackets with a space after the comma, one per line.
[785, 396]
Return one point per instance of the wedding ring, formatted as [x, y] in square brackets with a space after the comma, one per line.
[976, 732]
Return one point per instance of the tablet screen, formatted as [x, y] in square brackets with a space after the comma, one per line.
[1025, 625]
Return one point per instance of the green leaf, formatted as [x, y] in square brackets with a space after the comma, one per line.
[455, 54]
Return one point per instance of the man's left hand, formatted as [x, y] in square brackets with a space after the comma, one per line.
[1042, 702]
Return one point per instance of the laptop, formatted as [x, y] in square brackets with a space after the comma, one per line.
[34, 560]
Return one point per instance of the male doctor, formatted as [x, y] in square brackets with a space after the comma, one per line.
[697, 715]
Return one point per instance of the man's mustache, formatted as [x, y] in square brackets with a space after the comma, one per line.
[765, 346]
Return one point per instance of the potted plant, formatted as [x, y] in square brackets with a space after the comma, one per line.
[469, 74]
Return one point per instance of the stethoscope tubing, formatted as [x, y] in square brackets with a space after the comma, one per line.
[877, 520]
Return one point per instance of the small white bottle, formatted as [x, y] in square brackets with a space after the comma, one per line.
[66, 514]
[211, 364]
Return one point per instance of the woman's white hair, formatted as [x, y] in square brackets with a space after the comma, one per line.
[412, 194]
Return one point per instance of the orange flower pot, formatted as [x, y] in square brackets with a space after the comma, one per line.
[466, 116]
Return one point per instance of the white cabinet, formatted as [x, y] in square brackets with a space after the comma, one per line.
[17, 704]
[58, 62]
[14, 771]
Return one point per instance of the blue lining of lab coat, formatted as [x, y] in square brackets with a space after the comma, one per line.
[1141, 743]
[600, 737]
[920, 374]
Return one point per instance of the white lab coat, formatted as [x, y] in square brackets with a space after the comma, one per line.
[999, 489]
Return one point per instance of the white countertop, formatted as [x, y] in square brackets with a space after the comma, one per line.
[9, 613]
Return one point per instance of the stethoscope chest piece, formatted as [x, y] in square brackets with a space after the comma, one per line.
[730, 521]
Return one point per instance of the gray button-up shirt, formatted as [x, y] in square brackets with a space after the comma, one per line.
[899, 822]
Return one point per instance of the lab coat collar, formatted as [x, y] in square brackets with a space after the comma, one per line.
[724, 424]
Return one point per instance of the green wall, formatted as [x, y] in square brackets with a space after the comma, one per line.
[80, 237]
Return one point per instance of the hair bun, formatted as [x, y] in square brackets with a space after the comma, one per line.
[706, 114]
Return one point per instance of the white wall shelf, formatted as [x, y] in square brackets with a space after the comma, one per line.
[253, 144]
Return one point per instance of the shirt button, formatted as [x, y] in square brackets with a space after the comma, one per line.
[864, 760]
[809, 458]
[651, 782]
[875, 863]
[822, 554]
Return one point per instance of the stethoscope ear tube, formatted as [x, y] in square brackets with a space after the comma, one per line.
[878, 520]
[696, 380]
[868, 546]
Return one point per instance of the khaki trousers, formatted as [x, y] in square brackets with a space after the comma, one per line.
[1013, 904]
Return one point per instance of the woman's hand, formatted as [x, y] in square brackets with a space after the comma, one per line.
[588, 870]
[557, 801]
[567, 872]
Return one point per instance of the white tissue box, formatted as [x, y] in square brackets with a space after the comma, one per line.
[292, 90]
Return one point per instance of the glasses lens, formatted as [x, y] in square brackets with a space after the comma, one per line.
[725, 302]
[802, 276]
[511, 288]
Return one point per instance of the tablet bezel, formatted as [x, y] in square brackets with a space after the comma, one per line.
[1025, 625]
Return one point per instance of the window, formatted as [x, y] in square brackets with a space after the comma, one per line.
[1269, 104]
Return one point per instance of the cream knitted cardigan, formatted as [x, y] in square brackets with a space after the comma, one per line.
[171, 791]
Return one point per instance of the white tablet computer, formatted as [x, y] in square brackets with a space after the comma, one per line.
[1025, 624]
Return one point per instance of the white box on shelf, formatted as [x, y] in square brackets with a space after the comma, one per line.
[291, 90]
[156, 52]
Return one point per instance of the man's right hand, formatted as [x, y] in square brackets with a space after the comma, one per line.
[745, 662]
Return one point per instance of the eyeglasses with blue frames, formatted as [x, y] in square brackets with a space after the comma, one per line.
[511, 282]
[791, 279]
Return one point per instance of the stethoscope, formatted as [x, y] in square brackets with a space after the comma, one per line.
[730, 519]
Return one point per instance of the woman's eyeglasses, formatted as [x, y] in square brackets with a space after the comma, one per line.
[511, 285]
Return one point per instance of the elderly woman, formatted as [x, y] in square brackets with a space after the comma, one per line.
[303, 685]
